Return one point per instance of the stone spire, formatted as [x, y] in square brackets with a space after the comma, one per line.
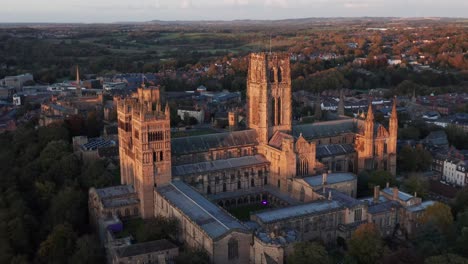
[77, 82]
[341, 104]
[167, 111]
[370, 113]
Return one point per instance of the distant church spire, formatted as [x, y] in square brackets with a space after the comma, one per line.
[78, 83]
[341, 104]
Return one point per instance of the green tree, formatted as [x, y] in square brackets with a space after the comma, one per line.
[157, 228]
[58, 246]
[68, 206]
[416, 183]
[446, 259]
[365, 245]
[193, 256]
[308, 252]
[461, 201]
[88, 250]
[380, 178]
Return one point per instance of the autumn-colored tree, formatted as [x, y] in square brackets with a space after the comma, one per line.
[366, 245]
[438, 214]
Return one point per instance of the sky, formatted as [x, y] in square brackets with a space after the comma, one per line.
[91, 11]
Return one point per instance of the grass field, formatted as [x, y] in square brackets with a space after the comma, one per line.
[243, 213]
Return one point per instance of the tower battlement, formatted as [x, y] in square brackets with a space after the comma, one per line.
[144, 144]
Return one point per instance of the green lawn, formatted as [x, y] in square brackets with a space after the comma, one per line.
[243, 213]
[130, 227]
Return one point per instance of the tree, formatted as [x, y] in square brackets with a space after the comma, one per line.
[193, 256]
[461, 201]
[416, 183]
[365, 245]
[68, 206]
[438, 214]
[414, 159]
[58, 246]
[88, 250]
[157, 228]
[381, 178]
[446, 259]
[308, 252]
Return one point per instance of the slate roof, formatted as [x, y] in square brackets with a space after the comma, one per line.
[420, 207]
[144, 248]
[212, 219]
[277, 139]
[342, 198]
[216, 165]
[323, 151]
[402, 196]
[115, 191]
[96, 143]
[332, 178]
[381, 207]
[203, 143]
[326, 129]
[316, 207]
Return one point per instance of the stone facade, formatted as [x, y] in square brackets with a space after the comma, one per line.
[305, 173]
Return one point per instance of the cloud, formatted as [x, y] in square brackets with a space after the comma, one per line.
[185, 4]
[356, 5]
[276, 3]
[237, 2]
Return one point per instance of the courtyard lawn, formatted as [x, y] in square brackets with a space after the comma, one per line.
[130, 227]
[243, 213]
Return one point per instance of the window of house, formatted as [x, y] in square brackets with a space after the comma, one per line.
[357, 215]
[233, 249]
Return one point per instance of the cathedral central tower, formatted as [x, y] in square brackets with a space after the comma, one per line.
[269, 94]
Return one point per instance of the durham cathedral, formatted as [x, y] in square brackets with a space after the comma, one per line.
[305, 175]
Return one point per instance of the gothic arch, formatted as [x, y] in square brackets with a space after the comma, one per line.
[302, 167]
[279, 74]
[271, 75]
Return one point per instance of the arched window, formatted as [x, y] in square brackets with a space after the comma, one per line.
[239, 185]
[278, 111]
[135, 211]
[272, 75]
[224, 187]
[233, 249]
[302, 168]
[252, 183]
[265, 180]
[272, 116]
[280, 76]
[302, 195]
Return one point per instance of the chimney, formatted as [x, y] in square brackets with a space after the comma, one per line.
[376, 193]
[329, 195]
[388, 185]
[415, 194]
[324, 178]
[395, 193]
